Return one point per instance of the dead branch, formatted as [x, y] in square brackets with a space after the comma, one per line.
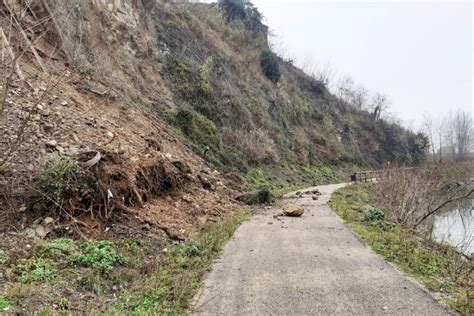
[452, 198]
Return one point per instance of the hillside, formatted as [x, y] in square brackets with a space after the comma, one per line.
[174, 97]
[145, 120]
[200, 70]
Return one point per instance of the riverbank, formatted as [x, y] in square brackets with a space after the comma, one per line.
[440, 268]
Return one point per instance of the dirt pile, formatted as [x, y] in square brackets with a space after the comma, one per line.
[145, 182]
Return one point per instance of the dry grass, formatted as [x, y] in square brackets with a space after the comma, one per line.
[413, 195]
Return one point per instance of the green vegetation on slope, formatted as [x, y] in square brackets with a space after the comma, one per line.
[173, 283]
[440, 268]
[138, 276]
[261, 109]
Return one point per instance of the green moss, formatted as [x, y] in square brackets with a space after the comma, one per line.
[438, 267]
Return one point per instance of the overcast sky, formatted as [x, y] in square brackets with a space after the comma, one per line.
[418, 53]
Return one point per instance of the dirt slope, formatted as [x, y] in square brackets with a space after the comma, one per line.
[158, 88]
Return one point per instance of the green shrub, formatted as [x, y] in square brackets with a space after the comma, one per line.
[245, 11]
[101, 255]
[198, 128]
[205, 72]
[35, 269]
[373, 215]
[233, 9]
[270, 64]
[263, 196]
[60, 246]
[62, 177]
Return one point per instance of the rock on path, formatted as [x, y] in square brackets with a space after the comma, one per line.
[309, 265]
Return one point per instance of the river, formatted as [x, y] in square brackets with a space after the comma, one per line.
[455, 226]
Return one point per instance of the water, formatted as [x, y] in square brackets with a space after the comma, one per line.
[455, 226]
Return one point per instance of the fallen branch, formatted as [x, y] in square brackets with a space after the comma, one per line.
[451, 199]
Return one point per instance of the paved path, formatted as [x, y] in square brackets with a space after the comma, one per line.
[312, 265]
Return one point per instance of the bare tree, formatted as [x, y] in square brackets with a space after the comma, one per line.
[360, 98]
[380, 103]
[344, 88]
[433, 128]
[325, 74]
[449, 134]
[463, 130]
[440, 125]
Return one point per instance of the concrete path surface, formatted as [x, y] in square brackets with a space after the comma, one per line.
[311, 265]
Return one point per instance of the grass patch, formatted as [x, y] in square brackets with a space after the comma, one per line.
[178, 276]
[100, 255]
[36, 269]
[439, 267]
[3, 257]
[4, 304]
[52, 277]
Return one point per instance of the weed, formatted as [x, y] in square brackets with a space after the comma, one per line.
[100, 255]
[3, 257]
[4, 304]
[63, 303]
[35, 269]
[57, 247]
[62, 177]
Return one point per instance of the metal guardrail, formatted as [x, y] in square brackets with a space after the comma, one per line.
[372, 175]
[366, 176]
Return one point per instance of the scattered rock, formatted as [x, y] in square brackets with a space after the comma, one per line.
[153, 143]
[181, 166]
[96, 88]
[51, 143]
[41, 231]
[315, 197]
[206, 184]
[48, 220]
[29, 233]
[293, 211]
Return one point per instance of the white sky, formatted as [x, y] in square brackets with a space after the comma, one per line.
[418, 53]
